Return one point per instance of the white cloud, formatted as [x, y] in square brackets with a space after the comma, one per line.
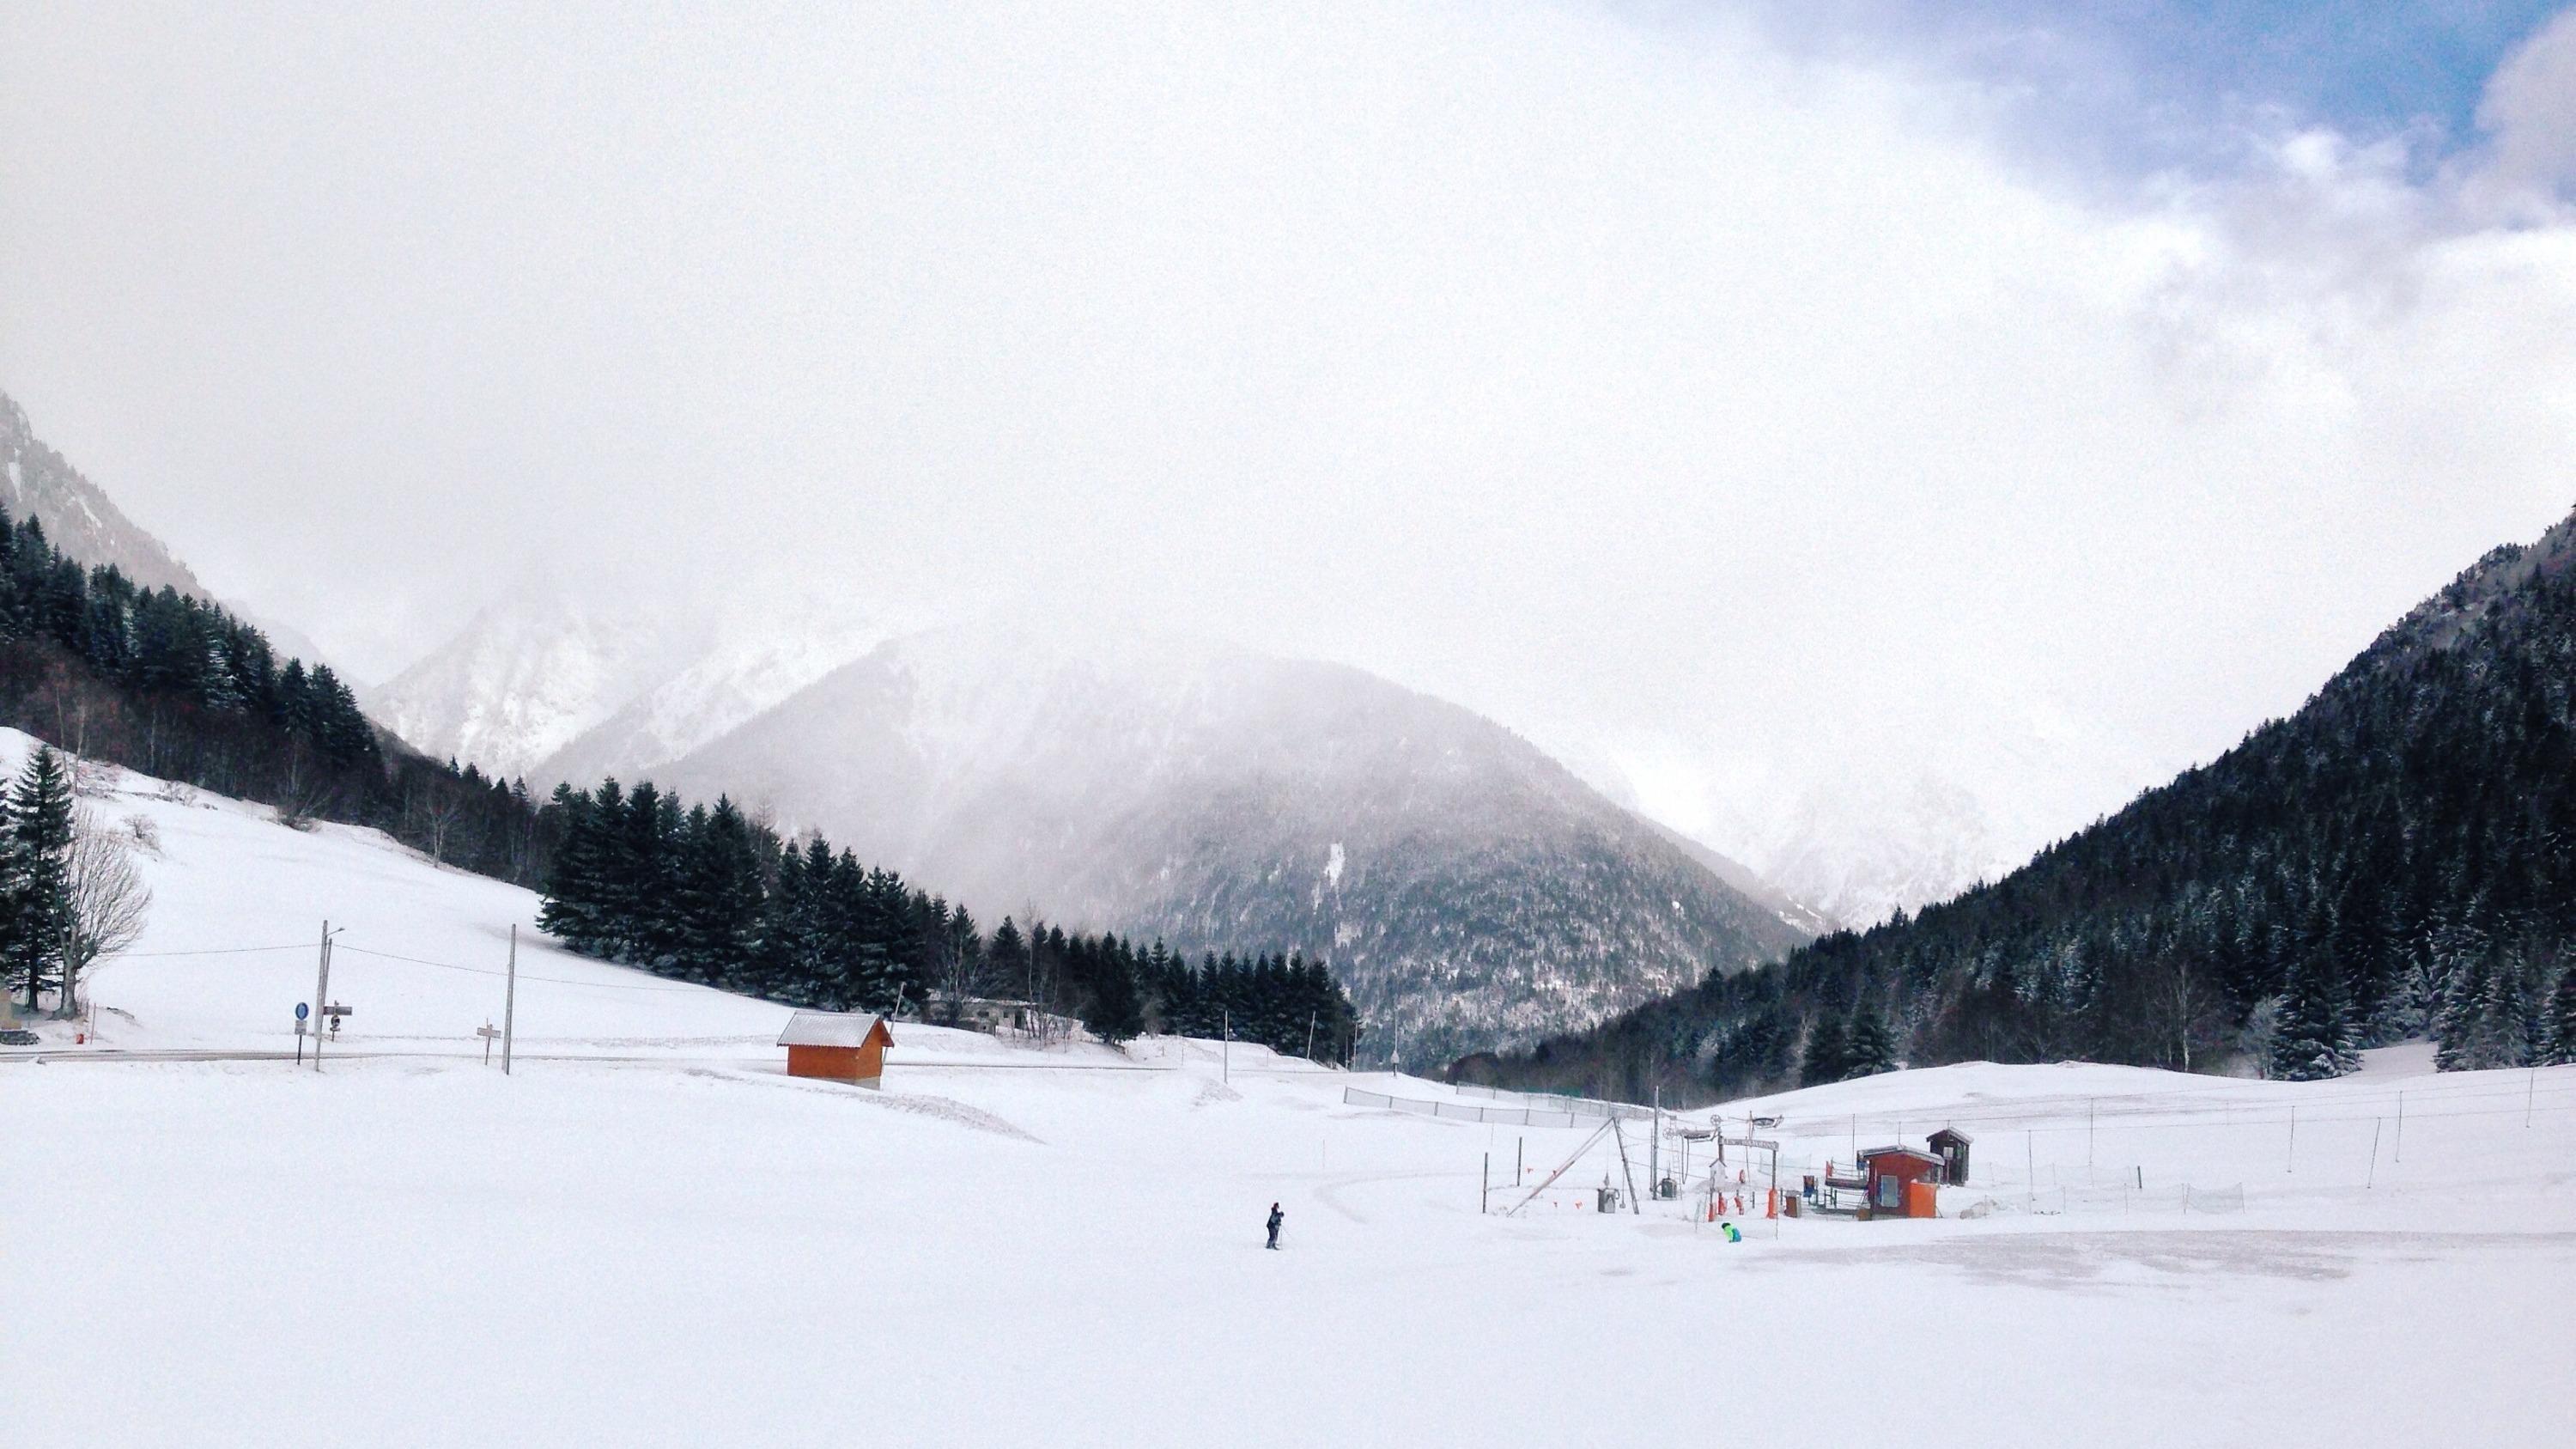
[1753, 418]
[2529, 113]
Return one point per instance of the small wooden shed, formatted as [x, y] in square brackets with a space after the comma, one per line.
[1900, 1181]
[840, 1046]
[1951, 1146]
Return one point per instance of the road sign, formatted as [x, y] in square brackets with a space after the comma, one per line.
[302, 1011]
[338, 1010]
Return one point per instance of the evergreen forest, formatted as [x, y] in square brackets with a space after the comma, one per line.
[182, 689]
[2396, 860]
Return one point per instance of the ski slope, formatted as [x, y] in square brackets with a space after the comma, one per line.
[239, 903]
[650, 1236]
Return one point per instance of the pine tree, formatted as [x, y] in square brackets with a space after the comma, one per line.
[2506, 1025]
[1113, 1009]
[40, 848]
[2455, 1022]
[572, 910]
[1869, 1050]
[2313, 1038]
[13, 874]
[2562, 1020]
[1825, 1059]
[719, 895]
[1009, 953]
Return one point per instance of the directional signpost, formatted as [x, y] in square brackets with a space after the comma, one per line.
[489, 1033]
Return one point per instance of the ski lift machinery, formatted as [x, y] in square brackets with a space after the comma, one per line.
[1750, 1144]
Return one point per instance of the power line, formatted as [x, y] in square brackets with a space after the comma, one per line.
[213, 951]
[524, 976]
[416, 961]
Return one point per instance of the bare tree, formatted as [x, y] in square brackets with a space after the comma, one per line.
[1041, 981]
[109, 903]
[303, 787]
[2181, 1007]
[959, 969]
[442, 812]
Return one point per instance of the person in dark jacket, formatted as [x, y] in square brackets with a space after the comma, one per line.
[1275, 1217]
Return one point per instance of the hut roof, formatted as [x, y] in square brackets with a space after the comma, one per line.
[833, 1029]
[1951, 1134]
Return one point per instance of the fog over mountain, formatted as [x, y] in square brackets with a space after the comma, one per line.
[1467, 889]
[79, 518]
[1802, 418]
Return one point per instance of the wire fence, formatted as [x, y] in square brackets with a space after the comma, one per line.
[2183, 1199]
[1575, 1106]
[1460, 1112]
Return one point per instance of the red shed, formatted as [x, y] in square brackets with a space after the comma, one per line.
[841, 1046]
[1891, 1175]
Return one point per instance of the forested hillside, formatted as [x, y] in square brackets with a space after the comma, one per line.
[1468, 889]
[703, 894]
[179, 688]
[2396, 859]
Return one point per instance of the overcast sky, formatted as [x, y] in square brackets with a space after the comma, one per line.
[1742, 396]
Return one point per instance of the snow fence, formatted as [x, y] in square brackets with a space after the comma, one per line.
[1556, 1115]
[2124, 1199]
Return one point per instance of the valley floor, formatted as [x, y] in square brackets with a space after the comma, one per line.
[702, 1251]
[648, 1235]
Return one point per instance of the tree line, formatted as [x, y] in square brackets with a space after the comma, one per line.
[182, 689]
[704, 893]
[2396, 860]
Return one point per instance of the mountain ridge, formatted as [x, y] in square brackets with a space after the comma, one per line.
[2388, 861]
[1470, 889]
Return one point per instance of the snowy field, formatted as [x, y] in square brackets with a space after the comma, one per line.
[649, 1235]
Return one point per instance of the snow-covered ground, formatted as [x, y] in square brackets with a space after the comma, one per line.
[649, 1235]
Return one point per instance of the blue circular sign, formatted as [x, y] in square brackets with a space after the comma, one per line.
[302, 1011]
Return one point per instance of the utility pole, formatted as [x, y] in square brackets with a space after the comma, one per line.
[1225, 1048]
[1655, 1146]
[1310, 1036]
[321, 993]
[1485, 1185]
[1625, 1170]
[510, 1001]
[2398, 1157]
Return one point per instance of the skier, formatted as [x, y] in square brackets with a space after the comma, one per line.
[1275, 1216]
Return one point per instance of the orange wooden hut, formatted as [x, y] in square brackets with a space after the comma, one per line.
[838, 1045]
[1901, 1182]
